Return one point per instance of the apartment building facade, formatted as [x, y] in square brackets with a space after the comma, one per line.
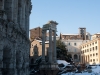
[90, 52]
[73, 42]
[73, 47]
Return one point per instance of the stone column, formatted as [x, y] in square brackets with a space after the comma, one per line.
[1, 4]
[9, 9]
[54, 39]
[43, 45]
[50, 46]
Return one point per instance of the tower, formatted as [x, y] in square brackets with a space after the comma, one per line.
[82, 33]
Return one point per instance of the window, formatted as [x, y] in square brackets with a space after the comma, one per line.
[93, 48]
[96, 54]
[87, 45]
[69, 43]
[74, 44]
[90, 49]
[75, 56]
[90, 54]
[96, 42]
[96, 47]
[93, 54]
[90, 44]
[93, 59]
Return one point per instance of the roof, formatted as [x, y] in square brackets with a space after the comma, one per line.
[41, 41]
[35, 28]
[69, 34]
[98, 33]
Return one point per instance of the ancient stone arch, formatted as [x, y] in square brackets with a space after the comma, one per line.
[8, 57]
[75, 56]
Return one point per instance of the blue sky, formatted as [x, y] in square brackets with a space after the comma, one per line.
[70, 14]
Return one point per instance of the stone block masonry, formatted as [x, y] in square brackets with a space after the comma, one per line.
[14, 37]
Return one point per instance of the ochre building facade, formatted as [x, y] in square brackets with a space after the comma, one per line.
[90, 51]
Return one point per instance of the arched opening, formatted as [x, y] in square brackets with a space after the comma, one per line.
[6, 56]
[6, 59]
[75, 56]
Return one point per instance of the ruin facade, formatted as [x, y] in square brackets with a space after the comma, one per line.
[50, 67]
[14, 37]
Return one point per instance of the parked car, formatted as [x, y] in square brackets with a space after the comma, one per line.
[62, 64]
[70, 68]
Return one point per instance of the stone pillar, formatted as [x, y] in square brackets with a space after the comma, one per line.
[54, 39]
[43, 45]
[1, 4]
[50, 46]
[9, 9]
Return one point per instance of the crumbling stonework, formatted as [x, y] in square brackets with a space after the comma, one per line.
[14, 37]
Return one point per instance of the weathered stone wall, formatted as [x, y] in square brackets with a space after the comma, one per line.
[35, 33]
[14, 37]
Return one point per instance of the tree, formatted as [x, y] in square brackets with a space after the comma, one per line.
[61, 50]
